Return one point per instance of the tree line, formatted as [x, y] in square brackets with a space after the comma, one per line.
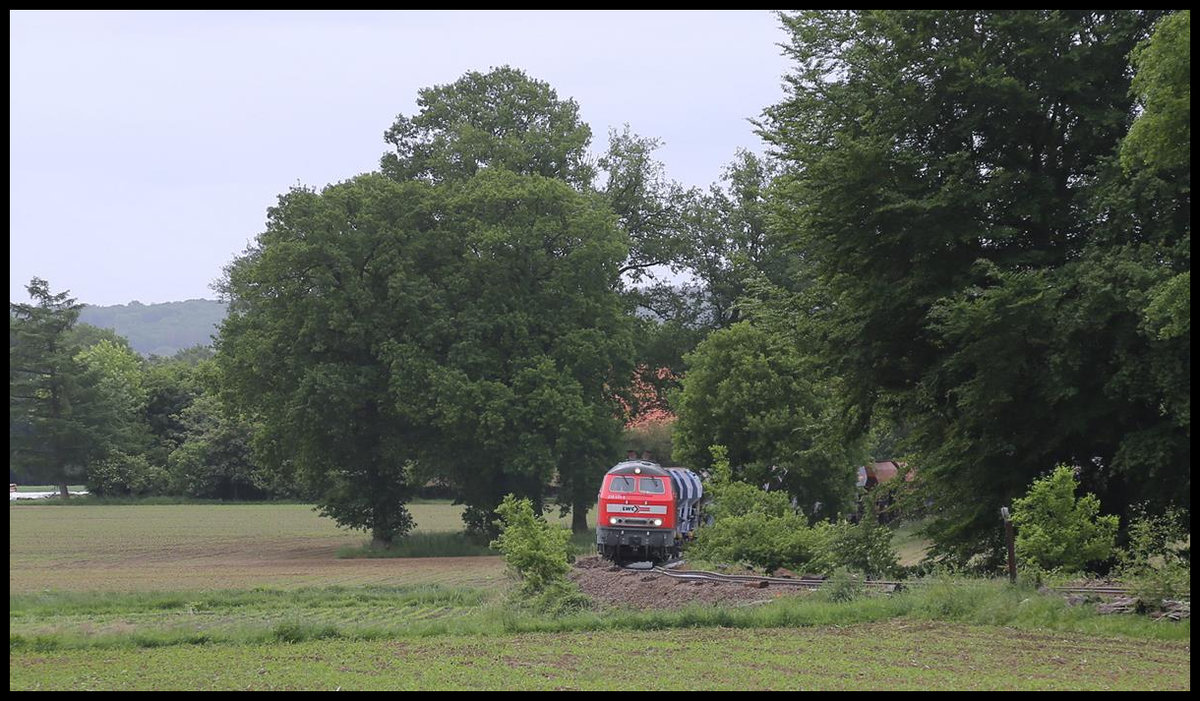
[967, 247]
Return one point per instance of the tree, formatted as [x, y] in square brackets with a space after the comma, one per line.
[517, 388]
[171, 387]
[980, 273]
[749, 389]
[539, 556]
[648, 205]
[500, 119]
[59, 419]
[731, 240]
[116, 376]
[214, 459]
[525, 374]
[468, 328]
[1162, 134]
[312, 306]
[720, 241]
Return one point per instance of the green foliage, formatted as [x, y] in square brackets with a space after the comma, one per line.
[749, 388]
[735, 499]
[651, 436]
[864, 548]
[301, 351]
[537, 552]
[213, 459]
[1055, 530]
[722, 470]
[1156, 564]
[502, 119]
[1162, 134]
[761, 529]
[731, 242]
[749, 525]
[984, 273]
[68, 406]
[512, 387]
[117, 376]
[171, 387]
[762, 541]
[436, 544]
[539, 555]
[561, 597]
[455, 319]
[843, 586]
[647, 205]
[121, 474]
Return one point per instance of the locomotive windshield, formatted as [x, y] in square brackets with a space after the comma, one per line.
[622, 484]
[651, 485]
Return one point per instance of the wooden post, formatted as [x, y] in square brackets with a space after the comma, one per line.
[1008, 537]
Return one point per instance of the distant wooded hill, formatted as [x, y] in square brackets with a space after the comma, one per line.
[159, 329]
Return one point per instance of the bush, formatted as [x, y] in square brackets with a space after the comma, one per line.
[560, 598]
[864, 547]
[539, 555]
[758, 540]
[1156, 565]
[1057, 531]
[121, 474]
[842, 586]
[761, 529]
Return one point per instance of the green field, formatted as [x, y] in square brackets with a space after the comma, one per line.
[210, 546]
[255, 597]
[893, 656]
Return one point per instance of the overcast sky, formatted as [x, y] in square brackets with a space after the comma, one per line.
[146, 146]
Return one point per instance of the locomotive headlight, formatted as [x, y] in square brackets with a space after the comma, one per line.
[658, 521]
[612, 520]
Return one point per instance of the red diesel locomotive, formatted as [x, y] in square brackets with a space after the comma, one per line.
[646, 511]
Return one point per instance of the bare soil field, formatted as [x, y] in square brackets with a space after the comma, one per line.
[644, 590]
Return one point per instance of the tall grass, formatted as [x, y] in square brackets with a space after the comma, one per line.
[370, 613]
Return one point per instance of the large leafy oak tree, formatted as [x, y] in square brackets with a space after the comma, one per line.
[456, 317]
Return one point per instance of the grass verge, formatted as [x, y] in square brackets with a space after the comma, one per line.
[58, 621]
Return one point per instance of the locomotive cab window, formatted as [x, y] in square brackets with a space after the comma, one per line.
[622, 484]
[651, 485]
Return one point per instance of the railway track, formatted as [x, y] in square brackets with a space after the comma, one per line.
[881, 585]
[805, 583]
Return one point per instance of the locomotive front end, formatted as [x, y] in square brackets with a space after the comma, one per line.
[636, 518]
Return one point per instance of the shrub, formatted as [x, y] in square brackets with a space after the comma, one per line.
[864, 547]
[1057, 531]
[759, 540]
[763, 530]
[842, 586]
[121, 474]
[539, 555]
[1156, 564]
[537, 552]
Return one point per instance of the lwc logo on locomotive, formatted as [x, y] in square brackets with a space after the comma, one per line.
[646, 511]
